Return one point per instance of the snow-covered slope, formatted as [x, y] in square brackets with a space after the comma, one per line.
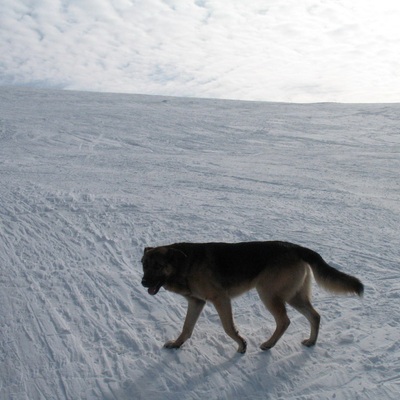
[88, 180]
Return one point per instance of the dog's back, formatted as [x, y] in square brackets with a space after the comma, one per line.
[236, 263]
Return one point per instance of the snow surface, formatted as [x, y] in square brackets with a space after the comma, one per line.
[88, 180]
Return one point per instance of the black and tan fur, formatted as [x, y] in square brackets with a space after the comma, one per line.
[217, 272]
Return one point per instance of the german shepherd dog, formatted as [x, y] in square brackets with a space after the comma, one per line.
[281, 272]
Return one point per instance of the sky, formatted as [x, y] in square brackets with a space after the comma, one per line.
[268, 50]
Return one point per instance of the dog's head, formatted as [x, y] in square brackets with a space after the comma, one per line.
[159, 265]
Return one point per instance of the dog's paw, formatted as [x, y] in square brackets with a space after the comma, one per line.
[242, 348]
[308, 343]
[172, 344]
[268, 345]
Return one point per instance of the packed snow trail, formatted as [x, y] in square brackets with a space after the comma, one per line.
[88, 180]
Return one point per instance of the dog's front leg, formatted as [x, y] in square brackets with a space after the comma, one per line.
[224, 309]
[195, 306]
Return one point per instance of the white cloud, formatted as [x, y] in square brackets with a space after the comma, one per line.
[296, 50]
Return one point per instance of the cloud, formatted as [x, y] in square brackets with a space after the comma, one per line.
[297, 50]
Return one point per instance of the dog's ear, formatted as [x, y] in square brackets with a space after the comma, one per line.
[146, 249]
[176, 257]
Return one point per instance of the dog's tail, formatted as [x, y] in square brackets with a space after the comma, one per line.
[328, 277]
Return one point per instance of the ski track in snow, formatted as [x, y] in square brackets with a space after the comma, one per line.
[88, 180]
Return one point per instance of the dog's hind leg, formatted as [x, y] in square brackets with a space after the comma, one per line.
[302, 304]
[276, 307]
[224, 309]
[195, 306]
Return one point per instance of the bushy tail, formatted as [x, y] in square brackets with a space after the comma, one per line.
[328, 277]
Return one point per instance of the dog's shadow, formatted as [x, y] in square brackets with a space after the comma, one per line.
[186, 371]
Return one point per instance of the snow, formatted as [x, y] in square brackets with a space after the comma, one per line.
[89, 180]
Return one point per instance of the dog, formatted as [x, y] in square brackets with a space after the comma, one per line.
[281, 272]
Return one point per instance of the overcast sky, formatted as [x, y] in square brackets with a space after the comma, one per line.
[273, 50]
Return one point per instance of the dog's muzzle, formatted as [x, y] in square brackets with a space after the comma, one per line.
[153, 287]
